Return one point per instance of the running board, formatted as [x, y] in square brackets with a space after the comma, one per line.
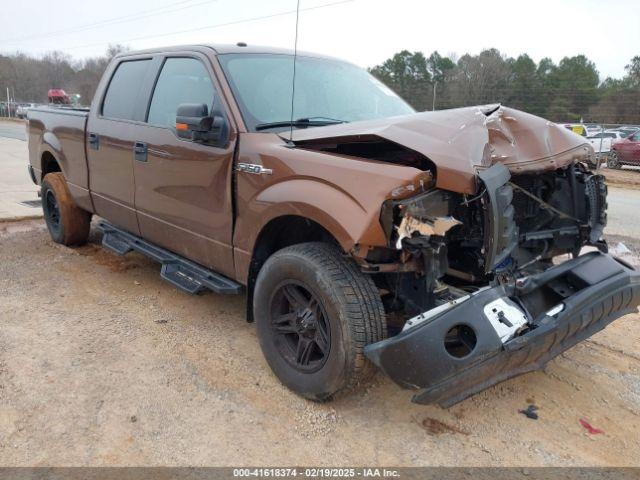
[184, 274]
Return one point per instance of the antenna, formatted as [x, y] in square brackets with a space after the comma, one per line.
[295, 56]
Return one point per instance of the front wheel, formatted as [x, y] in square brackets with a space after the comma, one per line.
[67, 223]
[613, 161]
[315, 312]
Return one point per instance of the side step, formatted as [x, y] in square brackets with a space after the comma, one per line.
[184, 274]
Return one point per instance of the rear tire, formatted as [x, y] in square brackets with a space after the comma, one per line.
[67, 223]
[315, 312]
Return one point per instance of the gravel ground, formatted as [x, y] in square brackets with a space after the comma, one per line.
[102, 363]
[626, 177]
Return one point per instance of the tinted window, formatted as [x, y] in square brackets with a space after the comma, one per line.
[124, 89]
[262, 85]
[182, 80]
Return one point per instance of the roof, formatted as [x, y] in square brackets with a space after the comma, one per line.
[222, 49]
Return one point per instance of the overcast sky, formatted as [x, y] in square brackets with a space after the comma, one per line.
[364, 32]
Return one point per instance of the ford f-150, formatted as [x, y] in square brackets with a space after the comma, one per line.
[446, 248]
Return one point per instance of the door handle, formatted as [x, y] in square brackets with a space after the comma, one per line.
[140, 151]
[94, 141]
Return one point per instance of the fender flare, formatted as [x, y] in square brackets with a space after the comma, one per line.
[338, 212]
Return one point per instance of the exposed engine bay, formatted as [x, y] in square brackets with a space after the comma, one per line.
[513, 228]
[484, 275]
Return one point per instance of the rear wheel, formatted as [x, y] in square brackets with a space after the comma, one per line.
[67, 223]
[315, 312]
[613, 161]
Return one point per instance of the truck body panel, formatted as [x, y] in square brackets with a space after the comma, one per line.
[59, 133]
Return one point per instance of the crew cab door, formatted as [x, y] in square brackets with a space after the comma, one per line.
[183, 188]
[110, 138]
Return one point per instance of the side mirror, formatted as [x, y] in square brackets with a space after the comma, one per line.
[193, 122]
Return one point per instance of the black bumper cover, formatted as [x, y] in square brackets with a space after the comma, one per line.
[417, 359]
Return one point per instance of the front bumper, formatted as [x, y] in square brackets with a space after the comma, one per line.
[602, 290]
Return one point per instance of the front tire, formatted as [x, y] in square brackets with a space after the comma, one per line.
[613, 161]
[67, 223]
[315, 312]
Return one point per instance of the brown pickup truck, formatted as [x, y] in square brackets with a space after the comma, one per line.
[446, 248]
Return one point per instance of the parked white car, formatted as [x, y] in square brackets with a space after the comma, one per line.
[602, 141]
[23, 108]
[583, 129]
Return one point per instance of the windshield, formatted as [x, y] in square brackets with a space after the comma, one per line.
[326, 89]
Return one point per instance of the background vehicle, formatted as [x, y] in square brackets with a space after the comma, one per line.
[625, 151]
[57, 96]
[583, 129]
[576, 128]
[364, 233]
[23, 108]
[602, 141]
[627, 130]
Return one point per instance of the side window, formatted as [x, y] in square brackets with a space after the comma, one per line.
[182, 80]
[124, 90]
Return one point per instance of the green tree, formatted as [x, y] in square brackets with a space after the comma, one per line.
[407, 73]
[524, 89]
[575, 81]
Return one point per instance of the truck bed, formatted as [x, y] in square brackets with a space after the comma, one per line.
[59, 133]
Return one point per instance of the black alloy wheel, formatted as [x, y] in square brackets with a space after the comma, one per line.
[300, 326]
[52, 212]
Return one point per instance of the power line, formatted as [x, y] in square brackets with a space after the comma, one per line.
[112, 21]
[218, 25]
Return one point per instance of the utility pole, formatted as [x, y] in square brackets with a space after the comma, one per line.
[8, 104]
[433, 105]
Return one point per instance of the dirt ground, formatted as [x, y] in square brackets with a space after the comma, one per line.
[102, 363]
[626, 177]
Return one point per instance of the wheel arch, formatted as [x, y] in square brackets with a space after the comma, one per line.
[49, 163]
[278, 233]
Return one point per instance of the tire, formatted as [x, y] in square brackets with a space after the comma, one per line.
[343, 314]
[613, 161]
[67, 223]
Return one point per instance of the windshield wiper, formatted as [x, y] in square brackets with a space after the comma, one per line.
[300, 123]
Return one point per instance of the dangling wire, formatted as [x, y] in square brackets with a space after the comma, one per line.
[293, 87]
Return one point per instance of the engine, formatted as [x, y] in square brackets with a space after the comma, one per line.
[512, 227]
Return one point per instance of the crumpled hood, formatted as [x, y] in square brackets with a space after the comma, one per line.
[461, 141]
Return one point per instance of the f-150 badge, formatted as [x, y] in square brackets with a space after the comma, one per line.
[252, 168]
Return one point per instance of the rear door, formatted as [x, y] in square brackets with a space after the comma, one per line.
[111, 135]
[183, 188]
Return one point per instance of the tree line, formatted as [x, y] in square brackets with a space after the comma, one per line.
[29, 78]
[568, 91]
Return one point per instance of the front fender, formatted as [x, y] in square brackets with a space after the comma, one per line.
[336, 210]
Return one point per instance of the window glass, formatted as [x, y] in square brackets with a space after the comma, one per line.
[124, 89]
[262, 85]
[182, 80]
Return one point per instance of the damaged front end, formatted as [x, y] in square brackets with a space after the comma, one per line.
[488, 286]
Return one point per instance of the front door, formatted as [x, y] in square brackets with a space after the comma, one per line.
[183, 188]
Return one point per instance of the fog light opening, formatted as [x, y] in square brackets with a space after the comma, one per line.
[460, 341]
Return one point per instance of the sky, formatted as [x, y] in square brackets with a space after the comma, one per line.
[365, 32]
